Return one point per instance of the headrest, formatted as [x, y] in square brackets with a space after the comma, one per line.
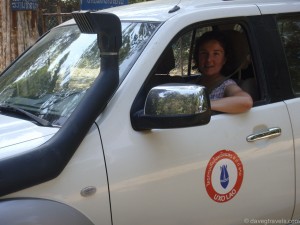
[238, 51]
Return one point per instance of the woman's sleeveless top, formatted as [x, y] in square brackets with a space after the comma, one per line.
[218, 92]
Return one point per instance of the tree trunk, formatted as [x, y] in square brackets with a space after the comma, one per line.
[18, 31]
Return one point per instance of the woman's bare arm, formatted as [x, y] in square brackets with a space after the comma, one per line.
[235, 101]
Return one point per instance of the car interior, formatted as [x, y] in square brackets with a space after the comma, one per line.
[176, 63]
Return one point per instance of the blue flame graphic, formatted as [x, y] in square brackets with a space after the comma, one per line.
[224, 177]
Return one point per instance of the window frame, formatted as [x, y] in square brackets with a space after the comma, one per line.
[255, 29]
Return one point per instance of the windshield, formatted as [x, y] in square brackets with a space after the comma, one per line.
[51, 78]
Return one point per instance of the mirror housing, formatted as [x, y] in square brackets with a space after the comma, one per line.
[173, 106]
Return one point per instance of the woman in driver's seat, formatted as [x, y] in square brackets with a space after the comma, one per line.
[210, 56]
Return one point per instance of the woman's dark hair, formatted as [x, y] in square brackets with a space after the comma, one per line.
[209, 36]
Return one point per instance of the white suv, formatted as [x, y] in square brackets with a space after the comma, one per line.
[102, 120]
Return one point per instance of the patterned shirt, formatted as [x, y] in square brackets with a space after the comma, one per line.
[218, 92]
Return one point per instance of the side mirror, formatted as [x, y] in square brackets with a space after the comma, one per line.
[173, 106]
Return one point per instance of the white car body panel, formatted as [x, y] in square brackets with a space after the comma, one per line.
[86, 169]
[18, 136]
[293, 108]
[159, 10]
[279, 7]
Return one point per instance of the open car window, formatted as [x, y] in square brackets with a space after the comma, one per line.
[177, 63]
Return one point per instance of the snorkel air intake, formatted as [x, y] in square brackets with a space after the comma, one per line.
[107, 26]
[47, 161]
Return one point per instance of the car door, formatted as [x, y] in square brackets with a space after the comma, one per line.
[236, 169]
[289, 30]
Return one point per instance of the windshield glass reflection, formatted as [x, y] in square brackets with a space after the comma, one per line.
[50, 79]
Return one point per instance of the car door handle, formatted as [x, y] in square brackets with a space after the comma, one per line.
[270, 133]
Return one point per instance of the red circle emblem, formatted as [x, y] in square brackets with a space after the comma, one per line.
[223, 176]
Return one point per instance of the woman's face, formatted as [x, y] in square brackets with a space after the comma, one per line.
[211, 58]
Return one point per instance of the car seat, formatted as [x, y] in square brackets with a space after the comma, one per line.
[239, 65]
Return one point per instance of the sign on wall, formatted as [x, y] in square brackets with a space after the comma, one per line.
[21, 5]
[100, 4]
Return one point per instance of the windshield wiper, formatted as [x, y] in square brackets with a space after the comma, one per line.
[14, 109]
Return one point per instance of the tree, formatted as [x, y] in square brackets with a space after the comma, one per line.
[20, 29]
[18, 32]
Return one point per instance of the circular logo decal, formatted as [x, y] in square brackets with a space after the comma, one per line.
[223, 176]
